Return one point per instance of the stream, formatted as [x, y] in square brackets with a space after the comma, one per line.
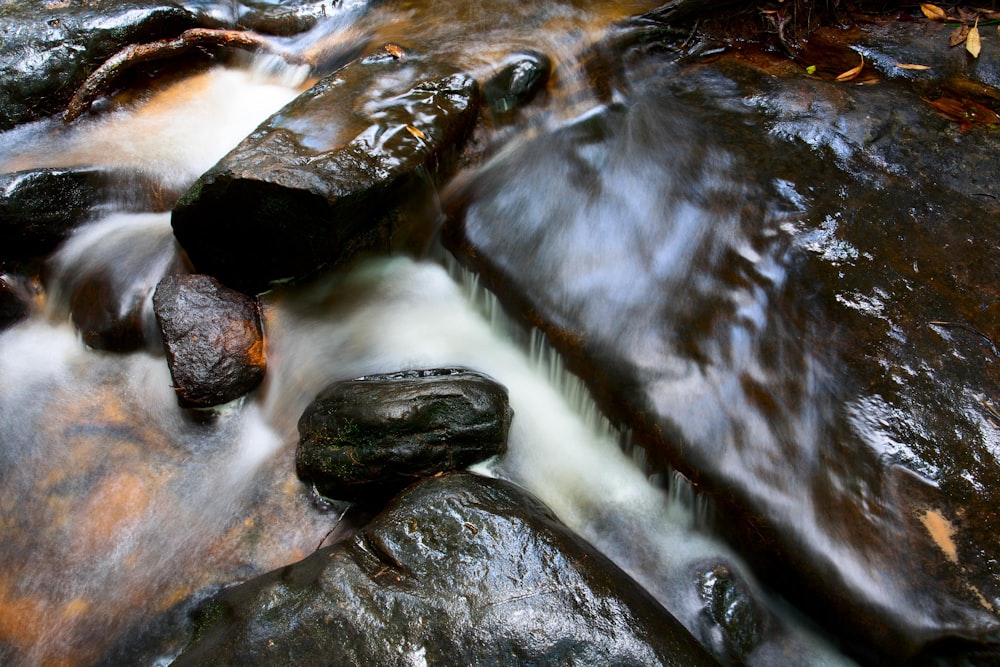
[637, 202]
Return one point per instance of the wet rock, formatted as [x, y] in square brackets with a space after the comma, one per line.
[39, 208]
[323, 178]
[457, 570]
[780, 347]
[517, 83]
[213, 339]
[273, 17]
[105, 274]
[17, 295]
[48, 49]
[734, 624]
[375, 434]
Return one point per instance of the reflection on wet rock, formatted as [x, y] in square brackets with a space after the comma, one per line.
[377, 433]
[732, 310]
[317, 182]
[458, 569]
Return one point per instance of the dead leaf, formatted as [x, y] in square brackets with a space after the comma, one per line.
[415, 131]
[912, 66]
[852, 73]
[933, 12]
[396, 52]
[972, 44]
[958, 35]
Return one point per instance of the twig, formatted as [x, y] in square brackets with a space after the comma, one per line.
[972, 330]
[135, 54]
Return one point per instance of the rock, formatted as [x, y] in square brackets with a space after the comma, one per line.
[213, 339]
[323, 178]
[48, 49]
[771, 336]
[457, 570]
[272, 17]
[378, 433]
[39, 208]
[17, 295]
[523, 75]
[104, 274]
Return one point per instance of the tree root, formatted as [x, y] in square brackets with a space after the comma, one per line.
[101, 79]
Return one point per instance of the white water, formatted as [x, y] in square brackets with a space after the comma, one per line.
[183, 498]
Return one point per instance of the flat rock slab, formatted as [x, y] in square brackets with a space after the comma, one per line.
[808, 336]
[378, 433]
[457, 570]
[318, 181]
[213, 339]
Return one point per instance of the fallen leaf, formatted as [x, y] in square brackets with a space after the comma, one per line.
[912, 66]
[811, 69]
[958, 35]
[396, 52]
[415, 131]
[933, 12]
[852, 73]
[972, 44]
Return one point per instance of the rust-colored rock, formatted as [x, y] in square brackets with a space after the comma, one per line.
[213, 339]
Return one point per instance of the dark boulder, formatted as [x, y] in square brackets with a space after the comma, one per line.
[324, 177]
[104, 275]
[457, 570]
[39, 208]
[213, 339]
[48, 49]
[522, 76]
[808, 337]
[378, 433]
[17, 296]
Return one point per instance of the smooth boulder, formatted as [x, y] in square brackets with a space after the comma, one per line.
[375, 434]
[457, 570]
[323, 178]
[213, 339]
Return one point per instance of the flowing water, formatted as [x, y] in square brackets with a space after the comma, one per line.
[118, 506]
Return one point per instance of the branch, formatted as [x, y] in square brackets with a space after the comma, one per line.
[100, 80]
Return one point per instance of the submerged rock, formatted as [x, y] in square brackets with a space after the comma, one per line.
[324, 177]
[522, 76]
[105, 274]
[378, 433]
[48, 49]
[213, 339]
[457, 570]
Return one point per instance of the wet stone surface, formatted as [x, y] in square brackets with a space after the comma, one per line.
[317, 182]
[376, 434]
[48, 49]
[458, 569]
[39, 208]
[808, 336]
[213, 339]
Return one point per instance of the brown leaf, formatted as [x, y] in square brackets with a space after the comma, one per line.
[972, 44]
[958, 35]
[396, 52]
[933, 12]
[912, 66]
[852, 73]
[415, 131]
